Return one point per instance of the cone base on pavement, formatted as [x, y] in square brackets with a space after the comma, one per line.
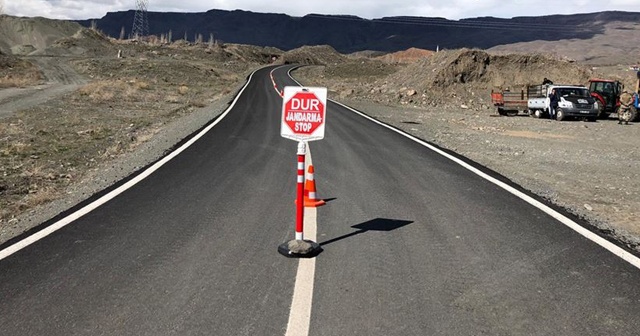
[300, 249]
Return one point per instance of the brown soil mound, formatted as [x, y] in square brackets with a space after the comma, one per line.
[407, 56]
[463, 77]
[480, 69]
[316, 55]
[16, 72]
[468, 75]
[84, 42]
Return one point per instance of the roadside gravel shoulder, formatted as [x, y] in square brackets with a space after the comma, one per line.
[590, 169]
[108, 173]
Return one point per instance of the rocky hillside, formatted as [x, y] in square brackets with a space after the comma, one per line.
[349, 34]
[619, 43]
[24, 35]
[461, 77]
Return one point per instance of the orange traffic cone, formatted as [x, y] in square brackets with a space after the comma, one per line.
[310, 196]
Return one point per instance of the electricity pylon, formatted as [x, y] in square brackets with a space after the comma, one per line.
[140, 23]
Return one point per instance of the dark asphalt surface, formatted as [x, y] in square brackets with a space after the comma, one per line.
[413, 245]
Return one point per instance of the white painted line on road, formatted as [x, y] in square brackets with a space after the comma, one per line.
[630, 258]
[112, 194]
[302, 300]
[300, 312]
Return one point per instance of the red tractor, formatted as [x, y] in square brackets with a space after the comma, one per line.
[607, 92]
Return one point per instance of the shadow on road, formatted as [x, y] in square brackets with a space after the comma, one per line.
[378, 224]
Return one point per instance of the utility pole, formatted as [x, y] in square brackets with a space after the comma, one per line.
[140, 22]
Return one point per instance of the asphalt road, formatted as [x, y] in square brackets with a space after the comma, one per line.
[413, 245]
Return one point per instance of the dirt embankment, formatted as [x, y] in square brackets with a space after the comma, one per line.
[461, 77]
[16, 72]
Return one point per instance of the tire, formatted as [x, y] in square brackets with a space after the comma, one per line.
[601, 113]
[560, 115]
[501, 111]
[537, 114]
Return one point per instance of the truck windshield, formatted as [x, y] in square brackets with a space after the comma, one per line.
[573, 92]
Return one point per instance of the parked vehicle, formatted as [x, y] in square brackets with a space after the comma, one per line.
[509, 102]
[607, 92]
[573, 101]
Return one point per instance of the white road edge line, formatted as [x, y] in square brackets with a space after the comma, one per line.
[112, 194]
[302, 299]
[630, 258]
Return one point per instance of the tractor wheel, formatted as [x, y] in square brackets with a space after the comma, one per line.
[560, 115]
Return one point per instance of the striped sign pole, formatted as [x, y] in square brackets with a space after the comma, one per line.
[302, 151]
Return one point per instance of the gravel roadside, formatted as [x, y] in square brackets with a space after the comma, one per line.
[589, 168]
[108, 173]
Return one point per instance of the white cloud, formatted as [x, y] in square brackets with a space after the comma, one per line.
[65, 9]
[451, 9]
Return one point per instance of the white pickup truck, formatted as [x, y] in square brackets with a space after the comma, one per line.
[573, 101]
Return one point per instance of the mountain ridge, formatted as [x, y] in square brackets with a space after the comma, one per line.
[348, 33]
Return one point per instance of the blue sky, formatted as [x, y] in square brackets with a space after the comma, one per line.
[450, 9]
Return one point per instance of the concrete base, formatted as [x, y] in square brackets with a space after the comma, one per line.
[300, 249]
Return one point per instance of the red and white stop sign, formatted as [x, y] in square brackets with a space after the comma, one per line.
[303, 113]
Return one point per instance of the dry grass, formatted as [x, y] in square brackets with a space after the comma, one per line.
[21, 81]
[107, 90]
[48, 148]
[18, 73]
[183, 90]
[15, 148]
[42, 196]
[173, 99]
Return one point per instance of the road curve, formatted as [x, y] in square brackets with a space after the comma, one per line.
[414, 244]
[417, 245]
